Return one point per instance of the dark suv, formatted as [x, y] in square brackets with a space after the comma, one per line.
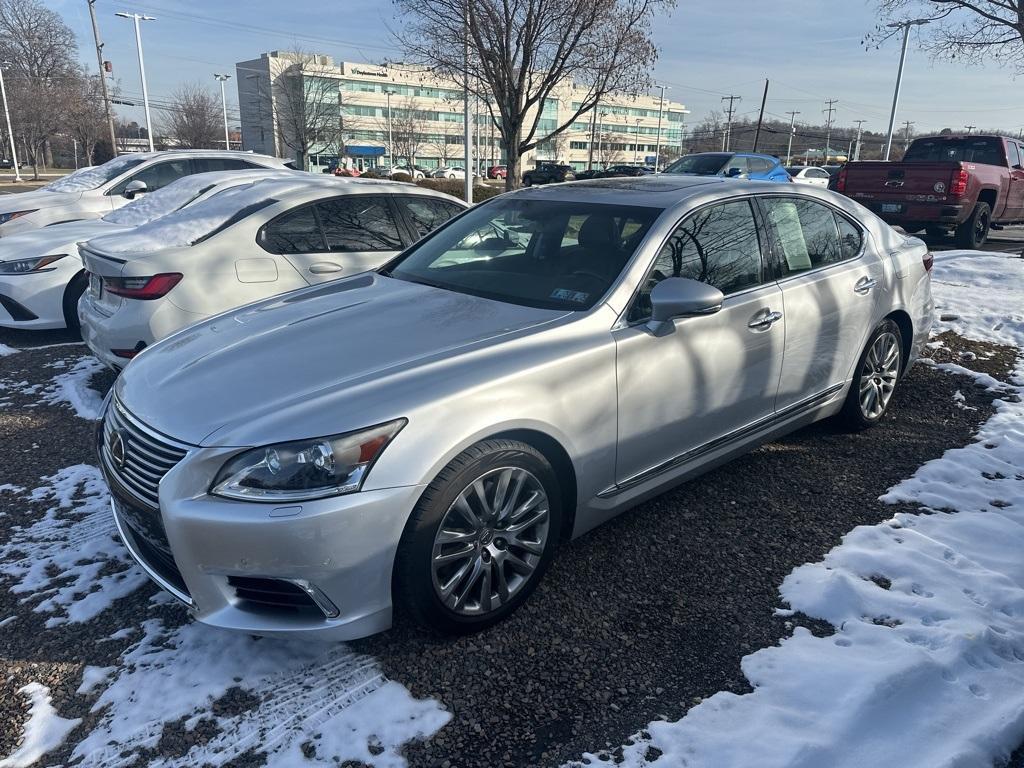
[546, 173]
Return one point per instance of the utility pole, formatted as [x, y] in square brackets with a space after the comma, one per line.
[792, 130]
[391, 147]
[906, 142]
[224, 105]
[760, 117]
[682, 134]
[636, 140]
[856, 150]
[829, 110]
[103, 76]
[657, 150]
[467, 150]
[600, 128]
[10, 131]
[728, 124]
[970, 128]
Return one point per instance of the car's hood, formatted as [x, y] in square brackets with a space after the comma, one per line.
[58, 238]
[305, 354]
[28, 201]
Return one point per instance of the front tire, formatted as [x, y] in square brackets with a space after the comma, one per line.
[973, 233]
[878, 371]
[72, 294]
[480, 538]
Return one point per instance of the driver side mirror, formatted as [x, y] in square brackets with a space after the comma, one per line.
[681, 297]
[135, 187]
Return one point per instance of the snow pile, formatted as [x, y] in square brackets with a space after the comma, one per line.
[44, 731]
[308, 703]
[70, 557]
[926, 666]
[6, 350]
[72, 388]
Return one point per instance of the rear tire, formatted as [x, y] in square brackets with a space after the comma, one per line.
[458, 572]
[878, 372]
[973, 232]
[527, 181]
[72, 294]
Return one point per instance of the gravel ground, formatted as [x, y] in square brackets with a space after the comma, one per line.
[638, 620]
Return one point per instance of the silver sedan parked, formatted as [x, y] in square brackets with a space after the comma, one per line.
[427, 434]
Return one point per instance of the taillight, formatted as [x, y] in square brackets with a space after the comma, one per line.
[841, 181]
[142, 288]
[929, 261]
[958, 188]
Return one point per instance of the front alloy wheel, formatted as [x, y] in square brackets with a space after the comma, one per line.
[480, 538]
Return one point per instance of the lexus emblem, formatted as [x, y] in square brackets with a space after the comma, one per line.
[117, 446]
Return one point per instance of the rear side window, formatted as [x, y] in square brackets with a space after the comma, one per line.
[806, 235]
[426, 213]
[212, 164]
[760, 165]
[1013, 153]
[359, 223]
[295, 232]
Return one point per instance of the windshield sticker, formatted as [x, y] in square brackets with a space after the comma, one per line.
[565, 294]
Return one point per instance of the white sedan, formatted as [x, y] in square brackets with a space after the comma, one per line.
[91, 192]
[41, 272]
[242, 245]
[808, 174]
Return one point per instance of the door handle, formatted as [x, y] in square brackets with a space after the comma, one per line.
[864, 285]
[324, 267]
[762, 321]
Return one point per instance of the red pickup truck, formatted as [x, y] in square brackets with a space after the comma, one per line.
[964, 183]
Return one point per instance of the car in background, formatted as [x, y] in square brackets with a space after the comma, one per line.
[809, 174]
[41, 273]
[962, 184]
[497, 172]
[743, 165]
[417, 172]
[241, 245]
[8, 165]
[447, 172]
[391, 439]
[624, 171]
[548, 173]
[92, 192]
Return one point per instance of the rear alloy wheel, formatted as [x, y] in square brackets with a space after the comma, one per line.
[480, 538]
[877, 374]
[973, 233]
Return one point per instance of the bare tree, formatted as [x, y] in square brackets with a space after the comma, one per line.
[971, 30]
[520, 51]
[85, 117]
[308, 103]
[194, 117]
[407, 130]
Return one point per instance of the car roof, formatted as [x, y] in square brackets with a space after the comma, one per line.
[233, 153]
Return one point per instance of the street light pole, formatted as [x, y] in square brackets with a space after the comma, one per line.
[657, 151]
[636, 141]
[792, 130]
[860, 129]
[391, 148]
[224, 105]
[7, 116]
[137, 17]
[906, 25]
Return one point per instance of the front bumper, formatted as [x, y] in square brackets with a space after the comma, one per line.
[341, 548]
[36, 300]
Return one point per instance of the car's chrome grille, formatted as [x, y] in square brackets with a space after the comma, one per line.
[143, 455]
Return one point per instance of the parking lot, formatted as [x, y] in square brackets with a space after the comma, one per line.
[640, 619]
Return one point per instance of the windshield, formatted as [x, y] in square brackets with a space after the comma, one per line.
[95, 176]
[537, 253]
[706, 164]
[987, 151]
[156, 204]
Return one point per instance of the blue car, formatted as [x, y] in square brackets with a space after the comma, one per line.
[744, 165]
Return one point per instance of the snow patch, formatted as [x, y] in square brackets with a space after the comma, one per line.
[44, 731]
[983, 291]
[71, 556]
[301, 695]
[6, 350]
[72, 388]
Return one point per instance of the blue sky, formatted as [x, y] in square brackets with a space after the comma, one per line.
[810, 49]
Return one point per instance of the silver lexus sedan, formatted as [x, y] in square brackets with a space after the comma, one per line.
[425, 435]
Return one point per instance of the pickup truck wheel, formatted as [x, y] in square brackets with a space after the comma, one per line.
[527, 181]
[973, 232]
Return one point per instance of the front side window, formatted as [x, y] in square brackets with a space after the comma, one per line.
[294, 232]
[737, 164]
[157, 175]
[760, 165]
[537, 253]
[426, 214]
[359, 223]
[807, 235]
[718, 245]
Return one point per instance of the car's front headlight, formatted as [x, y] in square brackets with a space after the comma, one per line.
[305, 469]
[5, 217]
[26, 266]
